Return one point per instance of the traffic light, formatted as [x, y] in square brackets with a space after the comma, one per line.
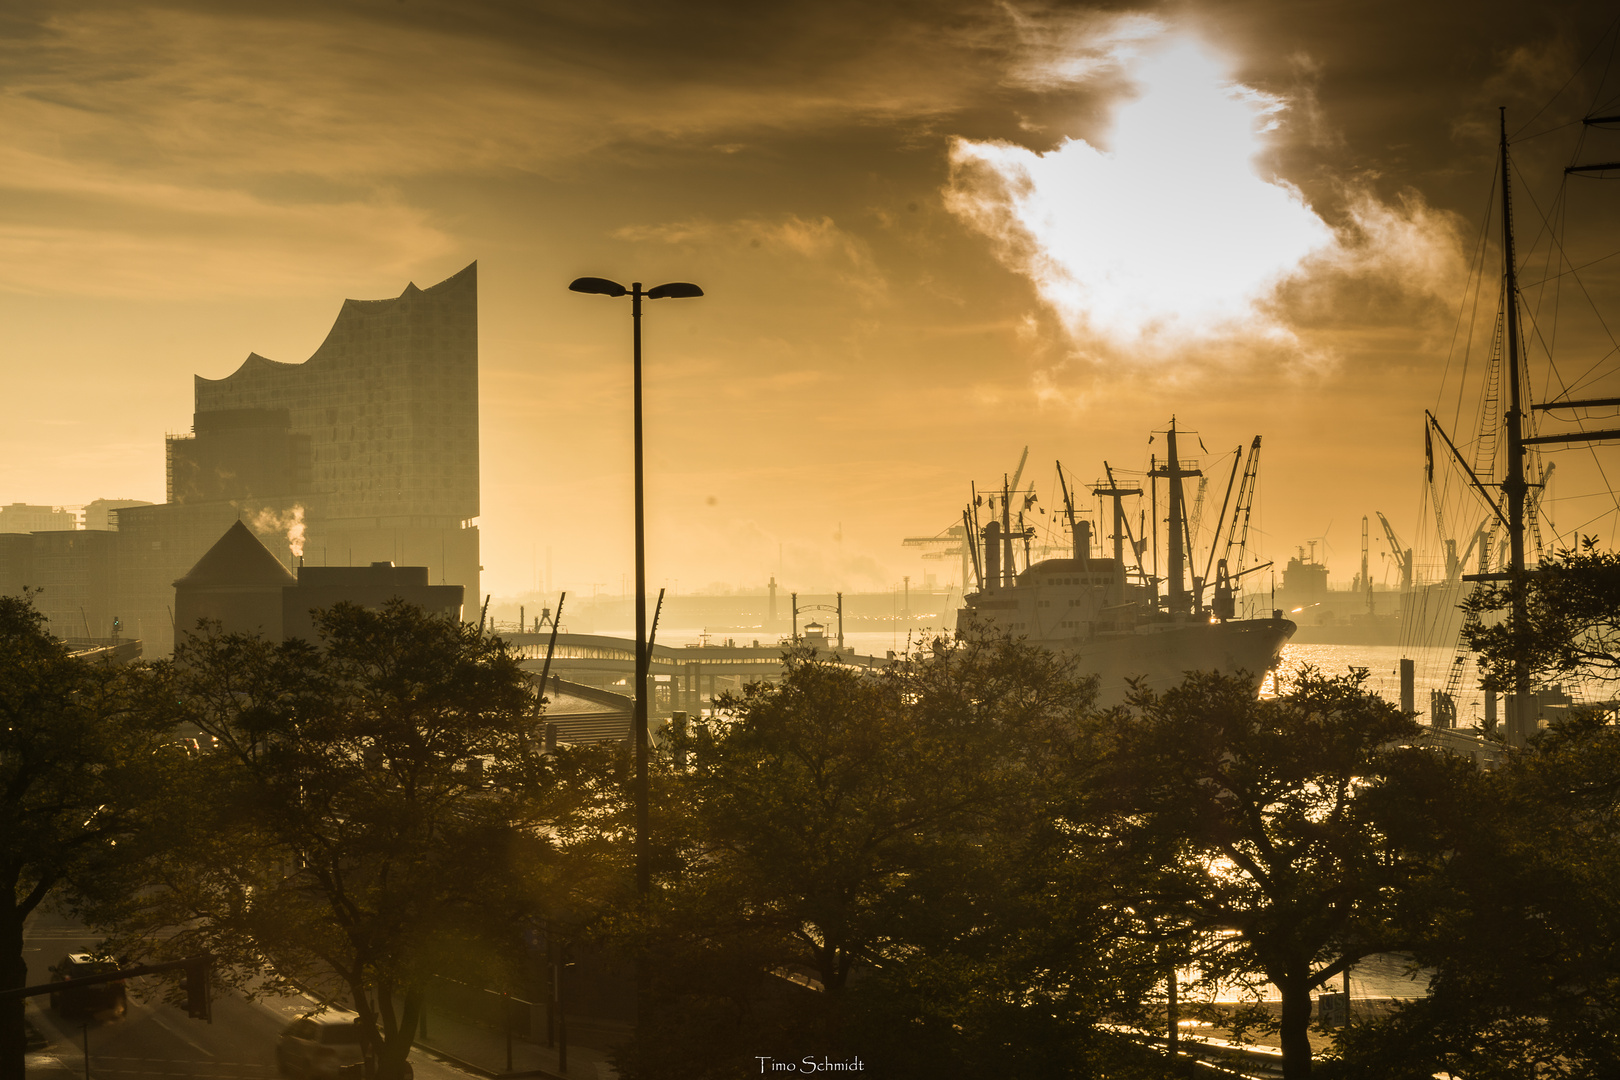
[197, 1003]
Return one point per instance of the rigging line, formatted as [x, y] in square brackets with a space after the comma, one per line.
[1576, 531]
[1546, 131]
[1535, 332]
[1607, 483]
[1477, 275]
[1581, 379]
[1561, 222]
[1557, 212]
[1571, 270]
[1614, 41]
[1543, 217]
[1573, 75]
[1525, 190]
[1608, 486]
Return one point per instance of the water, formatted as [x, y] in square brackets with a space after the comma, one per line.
[1432, 664]
[1382, 975]
[902, 638]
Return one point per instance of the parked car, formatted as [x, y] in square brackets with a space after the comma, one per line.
[326, 1046]
[93, 1000]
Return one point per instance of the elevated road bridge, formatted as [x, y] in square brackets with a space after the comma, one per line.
[685, 678]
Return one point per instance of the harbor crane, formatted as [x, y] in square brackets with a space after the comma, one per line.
[1402, 554]
[953, 540]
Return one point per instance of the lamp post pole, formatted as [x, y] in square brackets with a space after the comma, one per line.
[673, 290]
[643, 660]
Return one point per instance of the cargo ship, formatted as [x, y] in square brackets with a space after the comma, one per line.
[1122, 623]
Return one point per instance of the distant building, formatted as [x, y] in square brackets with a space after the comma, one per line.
[319, 587]
[239, 584]
[365, 453]
[102, 514]
[23, 518]
[75, 572]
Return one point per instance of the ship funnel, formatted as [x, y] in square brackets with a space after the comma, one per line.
[992, 554]
[1082, 542]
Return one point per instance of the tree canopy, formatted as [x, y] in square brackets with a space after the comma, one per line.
[957, 865]
[375, 811]
[1520, 922]
[849, 830]
[1572, 625]
[1244, 832]
[75, 757]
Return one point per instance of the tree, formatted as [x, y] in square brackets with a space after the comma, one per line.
[1572, 625]
[848, 829]
[1247, 829]
[1520, 921]
[375, 812]
[74, 757]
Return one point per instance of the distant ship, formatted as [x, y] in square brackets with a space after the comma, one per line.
[1121, 623]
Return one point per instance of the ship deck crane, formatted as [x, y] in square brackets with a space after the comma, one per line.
[1237, 537]
[1007, 534]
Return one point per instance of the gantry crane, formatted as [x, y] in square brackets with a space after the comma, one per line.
[952, 540]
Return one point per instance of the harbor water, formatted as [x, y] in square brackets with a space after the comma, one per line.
[1433, 665]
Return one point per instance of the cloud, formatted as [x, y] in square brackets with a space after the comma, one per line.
[1169, 234]
[213, 149]
[74, 229]
[336, 92]
[1067, 48]
[817, 244]
[1398, 262]
[1170, 238]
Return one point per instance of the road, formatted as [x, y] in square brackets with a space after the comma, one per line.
[157, 1040]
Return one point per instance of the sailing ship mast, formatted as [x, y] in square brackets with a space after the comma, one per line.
[1513, 484]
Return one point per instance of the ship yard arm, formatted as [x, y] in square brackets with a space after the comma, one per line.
[1473, 478]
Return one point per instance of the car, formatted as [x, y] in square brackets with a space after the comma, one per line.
[97, 999]
[324, 1046]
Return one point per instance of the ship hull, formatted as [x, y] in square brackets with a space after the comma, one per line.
[1159, 656]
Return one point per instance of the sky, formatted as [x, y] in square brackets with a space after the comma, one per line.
[930, 235]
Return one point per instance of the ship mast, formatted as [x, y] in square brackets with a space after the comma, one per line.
[1513, 484]
[1174, 473]
[1122, 529]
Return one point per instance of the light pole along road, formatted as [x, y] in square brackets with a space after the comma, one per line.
[676, 290]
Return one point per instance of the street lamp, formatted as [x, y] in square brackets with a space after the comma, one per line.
[676, 290]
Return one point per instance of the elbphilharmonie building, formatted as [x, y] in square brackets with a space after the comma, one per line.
[365, 452]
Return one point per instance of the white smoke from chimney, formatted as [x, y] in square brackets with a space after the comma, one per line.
[289, 522]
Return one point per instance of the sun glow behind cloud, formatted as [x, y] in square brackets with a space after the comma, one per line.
[1168, 234]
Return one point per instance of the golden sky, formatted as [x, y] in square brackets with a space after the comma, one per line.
[930, 234]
